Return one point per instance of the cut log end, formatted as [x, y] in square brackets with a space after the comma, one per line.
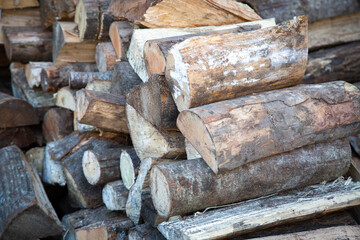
[153, 63]
[127, 170]
[160, 192]
[113, 195]
[80, 18]
[91, 167]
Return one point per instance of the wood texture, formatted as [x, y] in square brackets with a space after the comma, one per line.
[87, 18]
[271, 123]
[264, 212]
[149, 214]
[53, 10]
[57, 124]
[35, 157]
[191, 152]
[18, 4]
[23, 200]
[115, 195]
[120, 33]
[237, 64]
[105, 56]
[78, 80]
[21, 136]
[124, 78]
[332, 64]
[145, 232]
[33, 71]
[65, 98]
[129, 167]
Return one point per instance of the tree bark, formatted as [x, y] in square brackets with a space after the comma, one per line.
[115, 196]
[57, 124]
[52, 11]
[78, 80]
[124, 78]
[87, 18]
[23, 200]
[120, 33]
[129, 167]
[65, 98]
[272, 122]
[237, 64]
[105, 56]
[33, 71]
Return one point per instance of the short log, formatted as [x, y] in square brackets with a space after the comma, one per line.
[105, 56]
[78, 80]
[57, 124]
[129, 167]
[115, 195]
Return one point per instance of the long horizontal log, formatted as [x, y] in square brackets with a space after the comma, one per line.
[129, 167]
[18, 4]
[65, 98]
[22, 137]
[271, 123]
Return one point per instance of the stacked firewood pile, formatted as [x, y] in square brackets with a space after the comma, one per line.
[179, 119]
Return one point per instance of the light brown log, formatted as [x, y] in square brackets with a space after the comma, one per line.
[105, 56]
[129, 167]
[16, 112]
[24, 44]
[23, 200]
[68, 47]
[115, 195]
[21, 136]
[124, 78]
[264, 212]
[102, 110]
[200, 186]
[57, 124]
[149, 214]
[332, 64]
[18, 4]
[35, 157]
[237, 64]
[100, 167]
[78, 80]
[120, 33]
[33, 70]
[99, 85]
[156, 50]
[144, 232]
[271, 123]
[150, 141]
[65, 98]
[52, 11]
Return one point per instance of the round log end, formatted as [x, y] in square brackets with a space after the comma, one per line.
[160, 192]
[154, 59]
[127, 170]
[91, 167]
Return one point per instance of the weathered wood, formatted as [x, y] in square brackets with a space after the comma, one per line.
[291, 118]
[83, 127]
[354, 169]
[22, 137]
[264, 212]
[191, 152]
[65, 98]
[124, 78]
[284, 9]
[105, 56]
[237, 64]
[150, 141]
[153, 101]
[18, 4]
[198, 184]
[144, 232]
[103, 166]
[120, 33]
[332, 64]
[149, 214]
[53, 10]
[57, 124]
[16, 112]
[33, 70]
[78, 80]
[105, 20]
[35, 157]
[68, 47]
[102, 110]
[129, 167]
[23, 199]
[99, 85]
[87, 18]
[156, 50]
[115, 195]
[24, 44]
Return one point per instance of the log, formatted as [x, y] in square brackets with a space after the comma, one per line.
[129, 167]
[65, 98]
[354, 170]
[68, 46]
[247, 69]
[120, 33]
[191, 152]
[264, 212]
[200, 183]
[21, 136]
[16, 112]
[52, 11]
[332, 64]
[83, 127]
[156, 50]
[284, 9]
[313, 113]
[99, 85]
[124, 78]
[57, 124]
[35, 156]
[105, 56]
[102, 110]
[18, 4]
[33, 70]
[100, 167]
[149, 214]
[23, 200]
[150, 141]
[78, 80]
[115, 195]
[105, 20]
[144, 232]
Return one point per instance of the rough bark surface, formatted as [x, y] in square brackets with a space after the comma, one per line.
[18, 4]
[145, 232]
[105, 56]
[124, 78]
[78, 80]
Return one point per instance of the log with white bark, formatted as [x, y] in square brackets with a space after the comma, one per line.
[237, 64]
[57, 124]
[271, 122]
[265, 212]
[35, 157]
[120, 33]
[20, 136]
[105, 56]
[52, 11]
[124, 78]
[115, 195]
[33, 71]
[83, 127]
[65, 98]
[78, 80]
[129, 167]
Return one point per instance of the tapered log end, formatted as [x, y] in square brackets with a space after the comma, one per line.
[154, 59]
[160, 192]
[127, 170]
[91, 167]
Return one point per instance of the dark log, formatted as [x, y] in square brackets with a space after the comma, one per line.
[57, 124]
[99, 85]
[23, 200]
[22, 137]
[120, 33]
[52, 11]
[129, 167]
[145, 232]
[105, 56]
[124, 78]
[149, 214]
[115, 195]
[78, 80]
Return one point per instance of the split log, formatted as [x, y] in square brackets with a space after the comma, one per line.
[269, 175]
[24, 44]
[274, 122]
[105, 56]
[68, 47]
[57, 124]
[22, 137]
[18, 4]
[150, 141]
[284, 9]
[240, 61]
[115, 195]
[129, 167]
[144, 232]
[264, 212]
[149, 214]
[78, 80]
[102, 110]
[23, 200]
[153, 101]
[35, 157]
[65, 98]
[100, 167]
[332, 64]
[16, 112]
[52, 11]
[33, 70]
[120, 33]
[99, 85]
[156, 50]
[191, 152]
[124, 78]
